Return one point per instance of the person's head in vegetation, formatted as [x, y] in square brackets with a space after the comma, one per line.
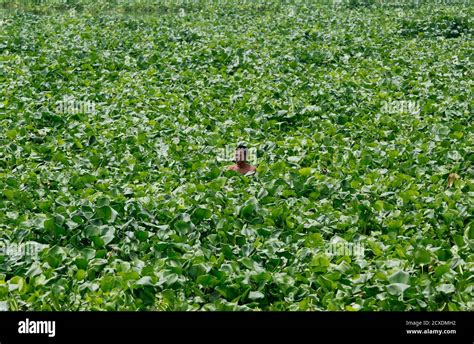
[241, 153]
[241, 164]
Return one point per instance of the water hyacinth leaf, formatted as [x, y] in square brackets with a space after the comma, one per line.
[400, 277]
[446, 288]
[397, 288]
[256, 295]
[201, 214]
[119, 122]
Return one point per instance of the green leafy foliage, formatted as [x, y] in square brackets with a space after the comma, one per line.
[113, 114]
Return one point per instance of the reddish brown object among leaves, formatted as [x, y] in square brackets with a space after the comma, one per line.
[242, 168]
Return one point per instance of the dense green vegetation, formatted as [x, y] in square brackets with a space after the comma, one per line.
[113, 119]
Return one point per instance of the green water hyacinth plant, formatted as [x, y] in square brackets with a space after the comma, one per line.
[113, 116]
